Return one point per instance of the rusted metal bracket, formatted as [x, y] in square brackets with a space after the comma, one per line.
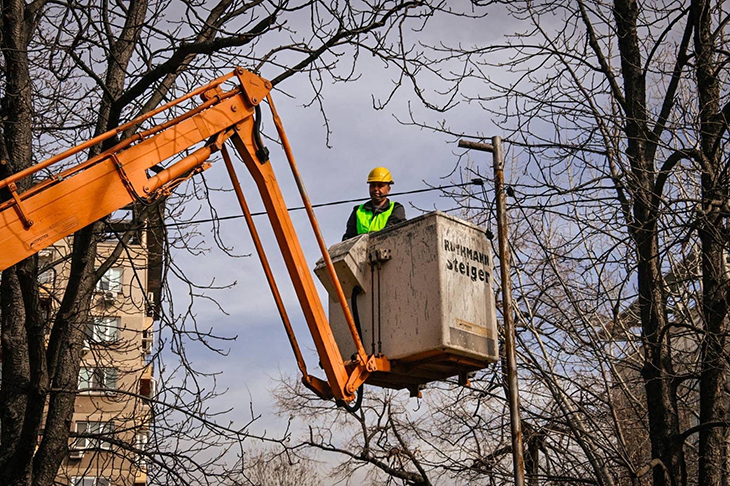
[379, 255]
[13, 188]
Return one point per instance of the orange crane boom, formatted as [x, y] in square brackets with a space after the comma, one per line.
[64, 203]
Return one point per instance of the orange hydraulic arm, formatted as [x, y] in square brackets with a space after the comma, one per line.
[56, 207]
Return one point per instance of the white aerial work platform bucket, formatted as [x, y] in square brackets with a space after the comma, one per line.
[422, 295]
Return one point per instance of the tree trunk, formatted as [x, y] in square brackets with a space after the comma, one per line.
[23, 389]
[713, 236]
[68, 331]
[658, 369]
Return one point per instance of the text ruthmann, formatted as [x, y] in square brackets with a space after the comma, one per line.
[465, 267]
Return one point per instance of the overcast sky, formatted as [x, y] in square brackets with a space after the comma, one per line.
[361, 139]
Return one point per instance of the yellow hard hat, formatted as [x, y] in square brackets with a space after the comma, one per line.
[380, 174]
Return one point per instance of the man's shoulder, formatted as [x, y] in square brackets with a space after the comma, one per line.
[398, 213]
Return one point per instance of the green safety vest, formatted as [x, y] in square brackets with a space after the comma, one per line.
[366, 223]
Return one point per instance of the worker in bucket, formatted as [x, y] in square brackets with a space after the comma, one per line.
[379, 212]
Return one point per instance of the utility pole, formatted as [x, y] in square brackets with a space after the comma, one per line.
[509, 329]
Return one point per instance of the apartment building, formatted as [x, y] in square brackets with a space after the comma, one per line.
[113, 418]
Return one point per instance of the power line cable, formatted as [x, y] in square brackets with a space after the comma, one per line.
[473, 182]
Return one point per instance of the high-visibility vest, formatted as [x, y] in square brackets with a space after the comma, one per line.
[366, 223]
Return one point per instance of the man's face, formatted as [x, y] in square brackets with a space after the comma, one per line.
[378, 192]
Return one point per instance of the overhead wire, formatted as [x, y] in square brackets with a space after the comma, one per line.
[473, 182]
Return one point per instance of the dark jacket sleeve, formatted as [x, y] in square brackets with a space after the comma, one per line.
[397, 216]
[351, 228]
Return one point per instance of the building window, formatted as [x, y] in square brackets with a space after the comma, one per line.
[147, 387]
[111, 281]
[48, 277]
[147, 340]
[90, 481]
[141, 446]
[90, 435]
[100, 379]
[102, 330]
